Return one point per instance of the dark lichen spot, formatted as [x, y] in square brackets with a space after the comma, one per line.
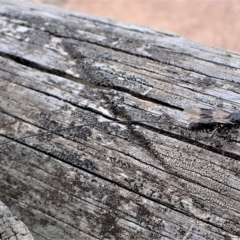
[206, 82]
[109, 226]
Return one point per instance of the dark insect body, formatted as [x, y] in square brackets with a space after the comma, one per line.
[208, 120]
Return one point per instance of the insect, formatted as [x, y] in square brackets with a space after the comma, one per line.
[208, 120]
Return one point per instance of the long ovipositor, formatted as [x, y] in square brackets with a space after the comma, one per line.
[81, 126]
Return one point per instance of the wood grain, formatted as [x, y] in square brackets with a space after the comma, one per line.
[113, 180]
[11, 227]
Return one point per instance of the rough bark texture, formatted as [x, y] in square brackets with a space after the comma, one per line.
[10, 227]
[113, 181]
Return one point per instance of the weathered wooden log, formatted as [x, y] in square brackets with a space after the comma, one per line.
[11, 227]
[113, 181]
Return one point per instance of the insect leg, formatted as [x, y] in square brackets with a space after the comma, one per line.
[214, 132]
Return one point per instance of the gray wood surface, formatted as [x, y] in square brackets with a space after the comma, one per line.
[113, 181]
[10, 227]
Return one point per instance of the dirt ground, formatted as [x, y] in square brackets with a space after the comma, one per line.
[210, 22]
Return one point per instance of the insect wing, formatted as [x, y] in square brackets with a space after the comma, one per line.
[221, 116]
[201, 115]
